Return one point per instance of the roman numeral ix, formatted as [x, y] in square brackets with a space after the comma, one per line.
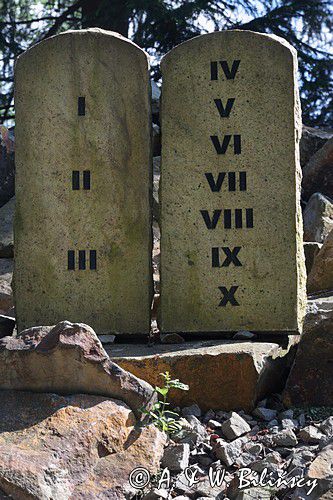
[231, 256]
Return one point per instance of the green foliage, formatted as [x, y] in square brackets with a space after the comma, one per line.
[159, 25]
[159, 415]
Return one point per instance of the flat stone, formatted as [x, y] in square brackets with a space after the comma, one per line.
[310, 380]
[176, 457]
[229, 452]
[67, 359]
[318, 218]
[6, 229]
[312, 139]
[285, 438]
[61, 220]
[235, 427]
[219, 118]
[317, 173]
[310, 251]
[246, 371]
[79, 446]
[6, 294]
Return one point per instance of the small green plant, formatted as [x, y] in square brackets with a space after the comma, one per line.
[159, 415]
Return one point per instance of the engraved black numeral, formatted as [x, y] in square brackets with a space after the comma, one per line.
[211, 221]
[82, 260]
[228, 296]
[81, 106]
[71, 260]
[216, 185]
[76, 174]
[229, 73]
[224, 110]
[231, 257]
[221, 147]
[75, 180]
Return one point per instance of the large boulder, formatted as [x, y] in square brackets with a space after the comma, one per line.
[7, 165]
[80, 446]
[312, 139]
[310, 381]
[318, 172]
[67, 359]
[6, 294]
[318, 218]
[321, 275]
[6, 230]
[220, 374]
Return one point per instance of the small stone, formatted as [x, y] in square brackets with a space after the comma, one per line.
[285, 438]
[209, 415]
[228, 452]
[244, 335]
[214, 424]
[253, 448]
[311, 435]
[327, 426]
[171, 338]
[107, 339]
[176, 457]
[272, 462]
[273, 423]
[286, 414]
[191, 410]
[301, 420]
[264, 413]
[287, 423]
[235, 427]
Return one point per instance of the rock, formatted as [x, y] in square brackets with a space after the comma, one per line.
[318, 218]
[7, 325]
[254, 494]
[289, 414]
[214, 424]
[6, 230]
[229, 452]
[317, 173]
[156, 494]
[249, 370]
[285, 438]
[321, 274]
[310, 251]
[310, 434]
[272, 462]
[235, 427]
[67, 359]
[312, 139]
[244, 335]
[327, 427]
[310, 381]
[287, 423]
[301, 457]
[155, 97]
[156, 140]
[7, 165]
[322, 468]
[79, 446]
[107, 339]
[264, 413]
[191, 410]
[176, 457]
[171, 338]
[6, 294]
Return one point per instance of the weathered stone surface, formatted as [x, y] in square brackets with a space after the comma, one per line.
[228, 452]
[176, 457]
[112, 142]
[7, 165]
[310, 251]
[220, 374]
[311, 378]
[312, 139]
[321, 467]
[235, 426]
[321, 274]
[67, 359]
[54, 447]
[318, 218]
[206, 209]
[317, 173]
[285, 438]
[6, 230]
[6, 295]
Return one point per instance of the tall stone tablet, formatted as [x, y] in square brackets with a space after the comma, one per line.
[83, 235]
[231, 248]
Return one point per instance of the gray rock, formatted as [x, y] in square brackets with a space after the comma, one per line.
[176, 457]
[244, 335]
[107, 339]
[235, 427]
[327, 426]
[285, 438]
[156, 494]
[253, 448]
[272, 462]
[264, 413]
[257, 493]
[318, 218]
[287, 423]
[300, 457]
[6, 230]
[214, 424]
[310, 251]
[286, 414]
[311, 435]
[229, 452]
[191, 410]
[312, 140]
[273, 423]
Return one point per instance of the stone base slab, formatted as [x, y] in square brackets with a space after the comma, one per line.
[221, 374]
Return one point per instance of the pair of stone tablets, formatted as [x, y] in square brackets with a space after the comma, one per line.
[231, 245]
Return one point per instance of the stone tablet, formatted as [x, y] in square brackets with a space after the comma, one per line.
[83, 234]
[231, 247]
